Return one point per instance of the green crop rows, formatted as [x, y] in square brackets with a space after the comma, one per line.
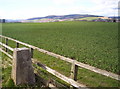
[93, 43]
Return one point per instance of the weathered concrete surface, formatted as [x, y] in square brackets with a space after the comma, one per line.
[22, 71]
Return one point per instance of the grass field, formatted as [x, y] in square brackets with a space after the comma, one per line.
[93, 43]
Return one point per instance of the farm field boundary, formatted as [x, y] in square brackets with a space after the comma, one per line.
[74, 63]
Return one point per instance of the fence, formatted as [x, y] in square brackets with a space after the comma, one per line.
[74, 67]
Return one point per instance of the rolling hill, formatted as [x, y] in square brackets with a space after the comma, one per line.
[56, 18]
[71, 16]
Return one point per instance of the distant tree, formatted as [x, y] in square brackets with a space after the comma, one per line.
[3, 20]
[114, 20]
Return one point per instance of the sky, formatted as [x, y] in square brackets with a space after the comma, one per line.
[24, 9]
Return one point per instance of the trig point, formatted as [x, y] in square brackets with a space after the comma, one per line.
[22, 71]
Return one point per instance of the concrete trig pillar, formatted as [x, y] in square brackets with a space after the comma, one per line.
[22, 71]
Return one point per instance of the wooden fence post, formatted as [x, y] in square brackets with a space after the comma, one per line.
[17, 45]
[74, 71]
[31, 49]
[6, 42]
[22, 71]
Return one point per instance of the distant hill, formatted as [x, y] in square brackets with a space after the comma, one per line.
[116, 17]
[71, 16]
[11, 20]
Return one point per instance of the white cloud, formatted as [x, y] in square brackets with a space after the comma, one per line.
[101, 7]
[105, 1]
[59, 2]
[37, 8]
[106, 7]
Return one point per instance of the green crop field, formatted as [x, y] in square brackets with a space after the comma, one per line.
[93, 43]
[89, 18]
